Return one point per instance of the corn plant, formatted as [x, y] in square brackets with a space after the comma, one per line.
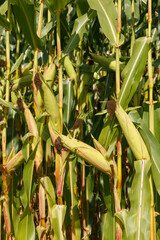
[79, 119]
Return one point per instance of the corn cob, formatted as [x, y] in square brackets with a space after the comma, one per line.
[108, 62]
[14, 162]
[83, 150]
[29, 117]
[49, 101]
[69, 68]
[22, 82]
[132, 135]
[49, 74]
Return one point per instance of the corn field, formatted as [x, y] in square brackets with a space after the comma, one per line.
[80, 119]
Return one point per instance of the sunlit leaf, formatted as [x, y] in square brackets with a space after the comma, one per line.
[58, 215]
[140, 199]
[107, 16]
[26, 227]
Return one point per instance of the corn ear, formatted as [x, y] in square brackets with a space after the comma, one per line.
[83, 150]
[69, 68]
[99, 147]
[50, 102]
[13, 97]
[132, 135]
[22, 82]
[32, 126]
[50, 73]
[108, 62]
[26, 69]
[86, 152]
[14, 162]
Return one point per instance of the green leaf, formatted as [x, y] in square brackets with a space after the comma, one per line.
[17, 63]
[26, 227]
[156, 118]
[82, 7]
[78, 30]
[107, 16]
[132, 73]
[49, 189]
[58, 215]
[26, 143]
[28, 175]
[108, 219]
[56, 5]
[137, 220]
[108, 226]
[46, 29]
[40, 231]
[128, 11]
[25, 15]
[8, 104]
[75, 210]
[106, 61]
[22, 82]
[3, 8]
[4, 23]
[153, 147]
[68, 99]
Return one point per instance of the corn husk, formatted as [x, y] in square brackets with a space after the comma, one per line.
[14, 162]
[81, 149]
[132, 135]
[69, 68]
[50, 73]
[50, 104]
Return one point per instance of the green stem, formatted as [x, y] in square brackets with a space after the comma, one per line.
[72, 197]
[4, 134]
[119, 166]
[17, 50]
[36, 94]
[50, 41]
[133, 33]
[0, 219]
[60, 68]
[117, 192]
[151, 112]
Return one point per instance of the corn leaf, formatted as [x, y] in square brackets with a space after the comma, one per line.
[107, 16]
[25, 15]
[68, 100]
[28, 175]
[153, 148]
[78, 30]
[3, 8]
[56, 5]
[4, 23]
[58, 215]
[26, 227]
[49, 189]
[108, 219]
[132, 73]
[22, 82]
[137, 220]
[156, 118]
[17, 63]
